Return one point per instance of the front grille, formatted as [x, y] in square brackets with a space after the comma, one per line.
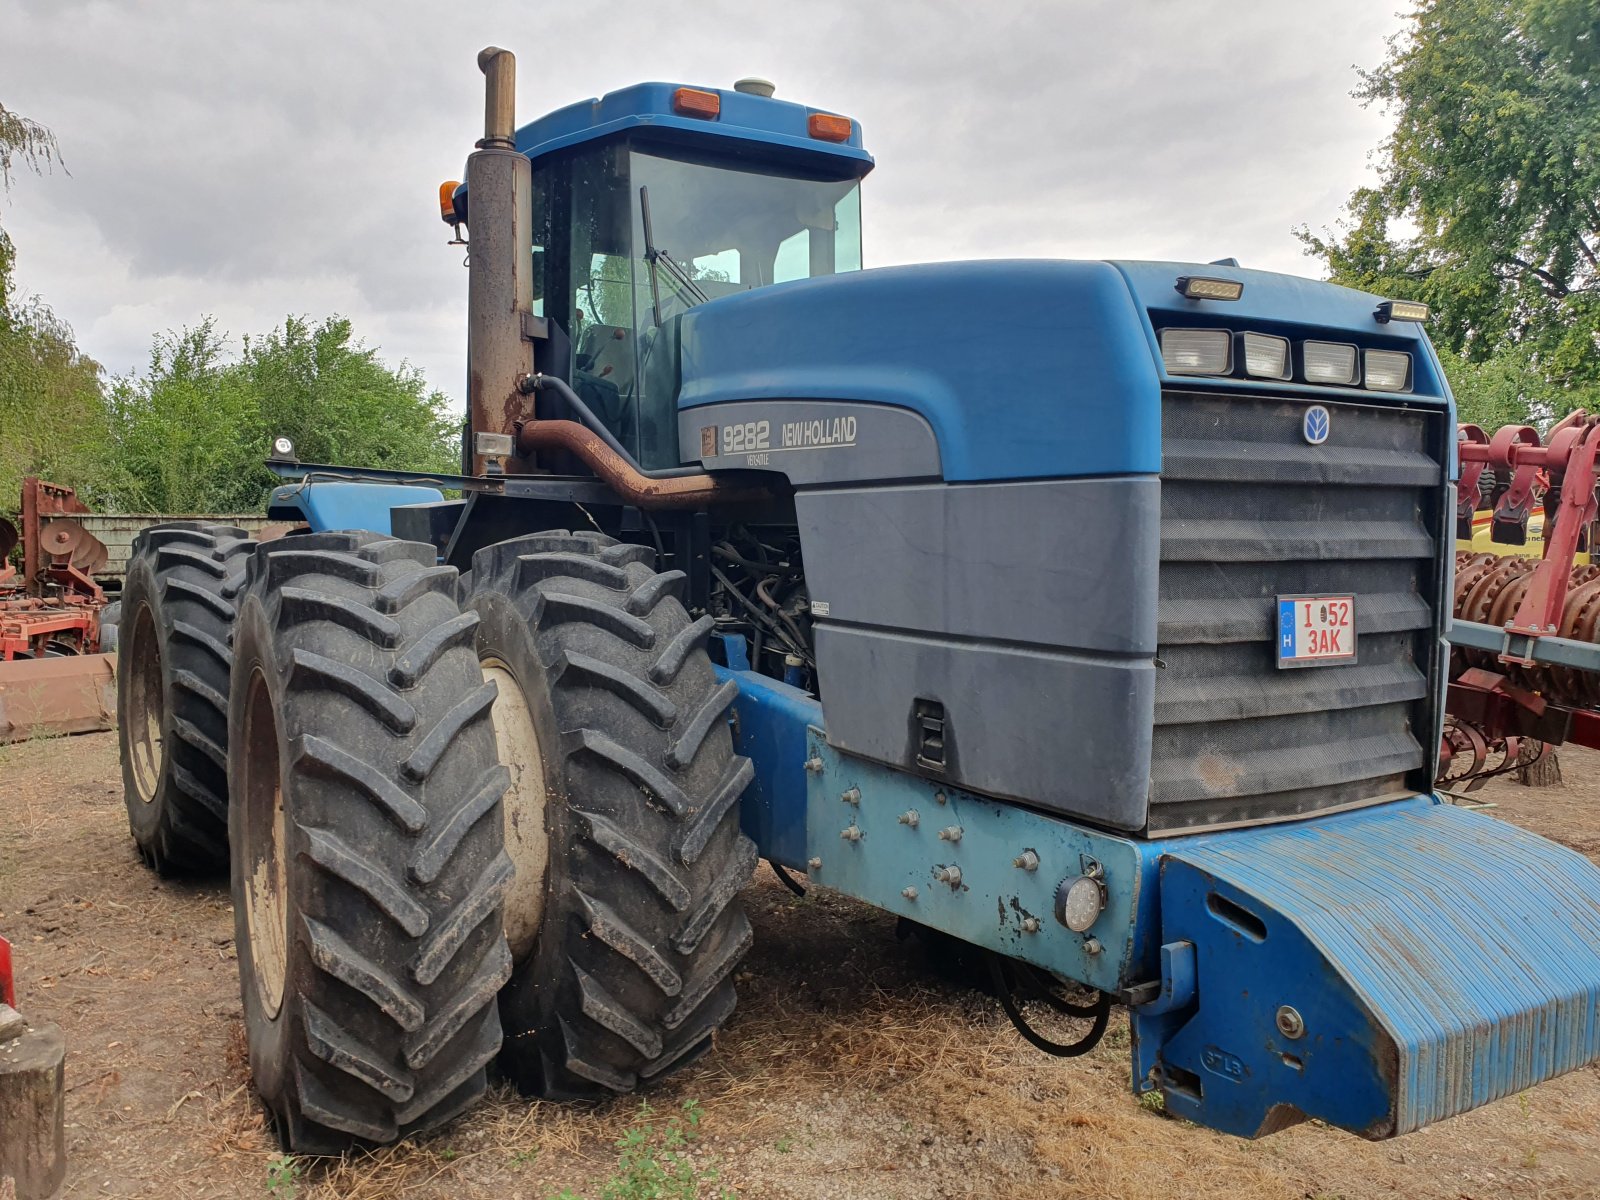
[1250, 512]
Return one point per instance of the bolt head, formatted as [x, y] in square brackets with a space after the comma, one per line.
[851, 833]
[851, 795]
[1092, 946]
[814, 765]
[814, 864]
[1030, 924]
[951, 833]
[910, 817]
[1027, 861]
[939, 797]
[909, 893]
[1290, 1023]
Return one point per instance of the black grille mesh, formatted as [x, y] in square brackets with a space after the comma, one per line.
[1250, 512]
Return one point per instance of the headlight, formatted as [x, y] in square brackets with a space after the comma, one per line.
[1330, 362]
[1387, 370]
[1265, 356]
[1079, 902]
[1196, 351]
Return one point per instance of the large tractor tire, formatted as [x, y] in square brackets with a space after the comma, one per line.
[368, 869]
[623, 817]
[173, 663]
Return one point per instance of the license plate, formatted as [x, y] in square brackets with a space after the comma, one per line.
[1316, 630]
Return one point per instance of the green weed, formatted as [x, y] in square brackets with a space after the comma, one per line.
[283, 1177]
[653, 1163]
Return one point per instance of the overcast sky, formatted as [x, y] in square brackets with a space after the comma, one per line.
[248, 159]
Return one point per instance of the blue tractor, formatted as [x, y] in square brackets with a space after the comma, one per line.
[1092, 614]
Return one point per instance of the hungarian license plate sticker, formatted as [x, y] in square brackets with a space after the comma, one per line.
[1316, 630]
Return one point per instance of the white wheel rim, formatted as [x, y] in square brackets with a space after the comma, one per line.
[526, 838]
[266, 901]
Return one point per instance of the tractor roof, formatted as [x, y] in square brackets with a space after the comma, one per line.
[748, 125]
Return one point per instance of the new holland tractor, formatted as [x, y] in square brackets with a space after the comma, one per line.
[1091, 614]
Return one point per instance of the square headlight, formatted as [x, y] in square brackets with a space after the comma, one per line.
[1387, 370]
[1330, 362]
[1265, 356]
[1196, 351]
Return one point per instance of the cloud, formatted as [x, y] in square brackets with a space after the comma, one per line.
[249, 160]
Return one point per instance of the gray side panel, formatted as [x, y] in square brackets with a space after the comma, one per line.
[1066, 733]
[1027, 611]
[1062, 563]
[811, 441]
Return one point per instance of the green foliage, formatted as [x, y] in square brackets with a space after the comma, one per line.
[51, 409]
[1488, 201]
[189, 435]
[26, 142]
[283, 1177]
[653, 1163]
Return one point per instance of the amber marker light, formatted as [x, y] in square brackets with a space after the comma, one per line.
[829, 128]
[692, 102]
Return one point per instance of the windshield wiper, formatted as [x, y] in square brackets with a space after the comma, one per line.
[652, 256]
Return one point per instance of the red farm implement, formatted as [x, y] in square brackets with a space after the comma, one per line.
[1525, 669]
[52, 677]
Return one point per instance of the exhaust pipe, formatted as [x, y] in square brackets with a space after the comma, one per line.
[500, 282]
[500, 98]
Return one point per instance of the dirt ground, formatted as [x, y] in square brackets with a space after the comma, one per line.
[850, 1069]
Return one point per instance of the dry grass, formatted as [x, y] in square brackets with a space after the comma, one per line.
[851, 1069]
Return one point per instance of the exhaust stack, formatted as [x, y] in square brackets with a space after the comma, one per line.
[500, 280]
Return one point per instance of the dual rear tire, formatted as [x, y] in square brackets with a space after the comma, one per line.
[371, 818]
[173, 666]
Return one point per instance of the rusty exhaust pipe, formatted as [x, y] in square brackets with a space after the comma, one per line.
[500, 281]
[631, 485]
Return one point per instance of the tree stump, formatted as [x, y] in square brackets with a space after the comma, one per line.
[1544, 773]
[32, 1111]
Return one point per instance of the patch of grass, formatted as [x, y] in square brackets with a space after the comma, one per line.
[654, 1162]
[783, 1145]
[283, 1177]
[1153, 1101]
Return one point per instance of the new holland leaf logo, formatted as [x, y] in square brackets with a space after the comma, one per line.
[1315, 425]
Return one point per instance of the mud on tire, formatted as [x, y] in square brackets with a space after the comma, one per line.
[368, 872]
[625, 920]
[174, 660]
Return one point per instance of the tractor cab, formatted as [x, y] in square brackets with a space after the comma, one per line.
[657, 199]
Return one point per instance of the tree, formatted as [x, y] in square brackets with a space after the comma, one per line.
[330, 394]
[1495, 163]
[24, 141]
[187, 436]
[190, 434]
[52, 413]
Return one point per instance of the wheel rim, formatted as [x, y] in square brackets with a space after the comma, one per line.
[266, 905]
[149, 705]
[526, 838]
